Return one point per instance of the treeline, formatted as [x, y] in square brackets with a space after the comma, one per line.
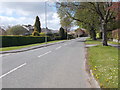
[95, 17]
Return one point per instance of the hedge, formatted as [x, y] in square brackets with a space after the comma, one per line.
[8, 41]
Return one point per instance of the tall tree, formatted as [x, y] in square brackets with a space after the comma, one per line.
[105, 14]
[37, 24]
[81, 17]
[89, 19]
[65, 21]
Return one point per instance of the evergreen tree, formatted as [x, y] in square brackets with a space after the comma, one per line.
[37, 24]
[62, 33]
[37, 28]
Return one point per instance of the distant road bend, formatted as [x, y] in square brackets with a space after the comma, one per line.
[56, 66]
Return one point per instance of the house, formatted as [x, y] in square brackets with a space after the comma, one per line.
[116, 35]
[44, 30]
[80, 32]
[73, 33]
[30, 28]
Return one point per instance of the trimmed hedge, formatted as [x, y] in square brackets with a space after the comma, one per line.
[8, 41]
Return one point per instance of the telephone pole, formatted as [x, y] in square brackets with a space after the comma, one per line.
[46, 21]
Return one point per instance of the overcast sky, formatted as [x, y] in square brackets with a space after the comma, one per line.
[13, 13]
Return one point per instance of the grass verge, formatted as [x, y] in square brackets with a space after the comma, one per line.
[111, 42]
[25, 46]
[103, 61]
[90, 41]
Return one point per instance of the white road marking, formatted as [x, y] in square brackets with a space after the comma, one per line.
[13, 70]
[44, 54]
[58, 47]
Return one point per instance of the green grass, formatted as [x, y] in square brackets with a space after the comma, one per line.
[90, 41]
[103, 60]
[111, 42]
[25, 46]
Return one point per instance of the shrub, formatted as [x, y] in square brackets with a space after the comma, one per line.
[70, 36]
[42, 34]
[57, 38]
[35, 33]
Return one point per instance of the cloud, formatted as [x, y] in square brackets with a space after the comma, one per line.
[25, 12]
[13, 21]
[25, 0]
[54, 22]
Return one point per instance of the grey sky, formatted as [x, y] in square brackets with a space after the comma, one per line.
[12, 13]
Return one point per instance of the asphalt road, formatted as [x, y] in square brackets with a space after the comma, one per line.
[56, 66]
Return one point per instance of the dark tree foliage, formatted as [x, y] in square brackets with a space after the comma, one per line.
[62, 33]
[37, 24]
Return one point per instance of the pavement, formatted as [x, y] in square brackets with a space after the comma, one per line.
[91, 45]
[114, 45]
[55, 66]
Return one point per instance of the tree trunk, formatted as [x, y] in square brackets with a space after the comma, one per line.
[90, 33]
[104, 34]
[93, 34]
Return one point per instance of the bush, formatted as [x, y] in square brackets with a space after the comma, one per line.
[42, 34]
[70, 36]
[57, 38]
[35, 33]
[8, 41]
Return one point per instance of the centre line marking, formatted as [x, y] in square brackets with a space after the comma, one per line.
[13, 70]
[45, 54]
[58, 47]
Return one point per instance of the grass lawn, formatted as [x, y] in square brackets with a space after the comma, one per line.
[103, 61]
[90, 41]
[111, 42]
[25, 46]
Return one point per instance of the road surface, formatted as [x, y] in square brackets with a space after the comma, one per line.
[56, 66]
